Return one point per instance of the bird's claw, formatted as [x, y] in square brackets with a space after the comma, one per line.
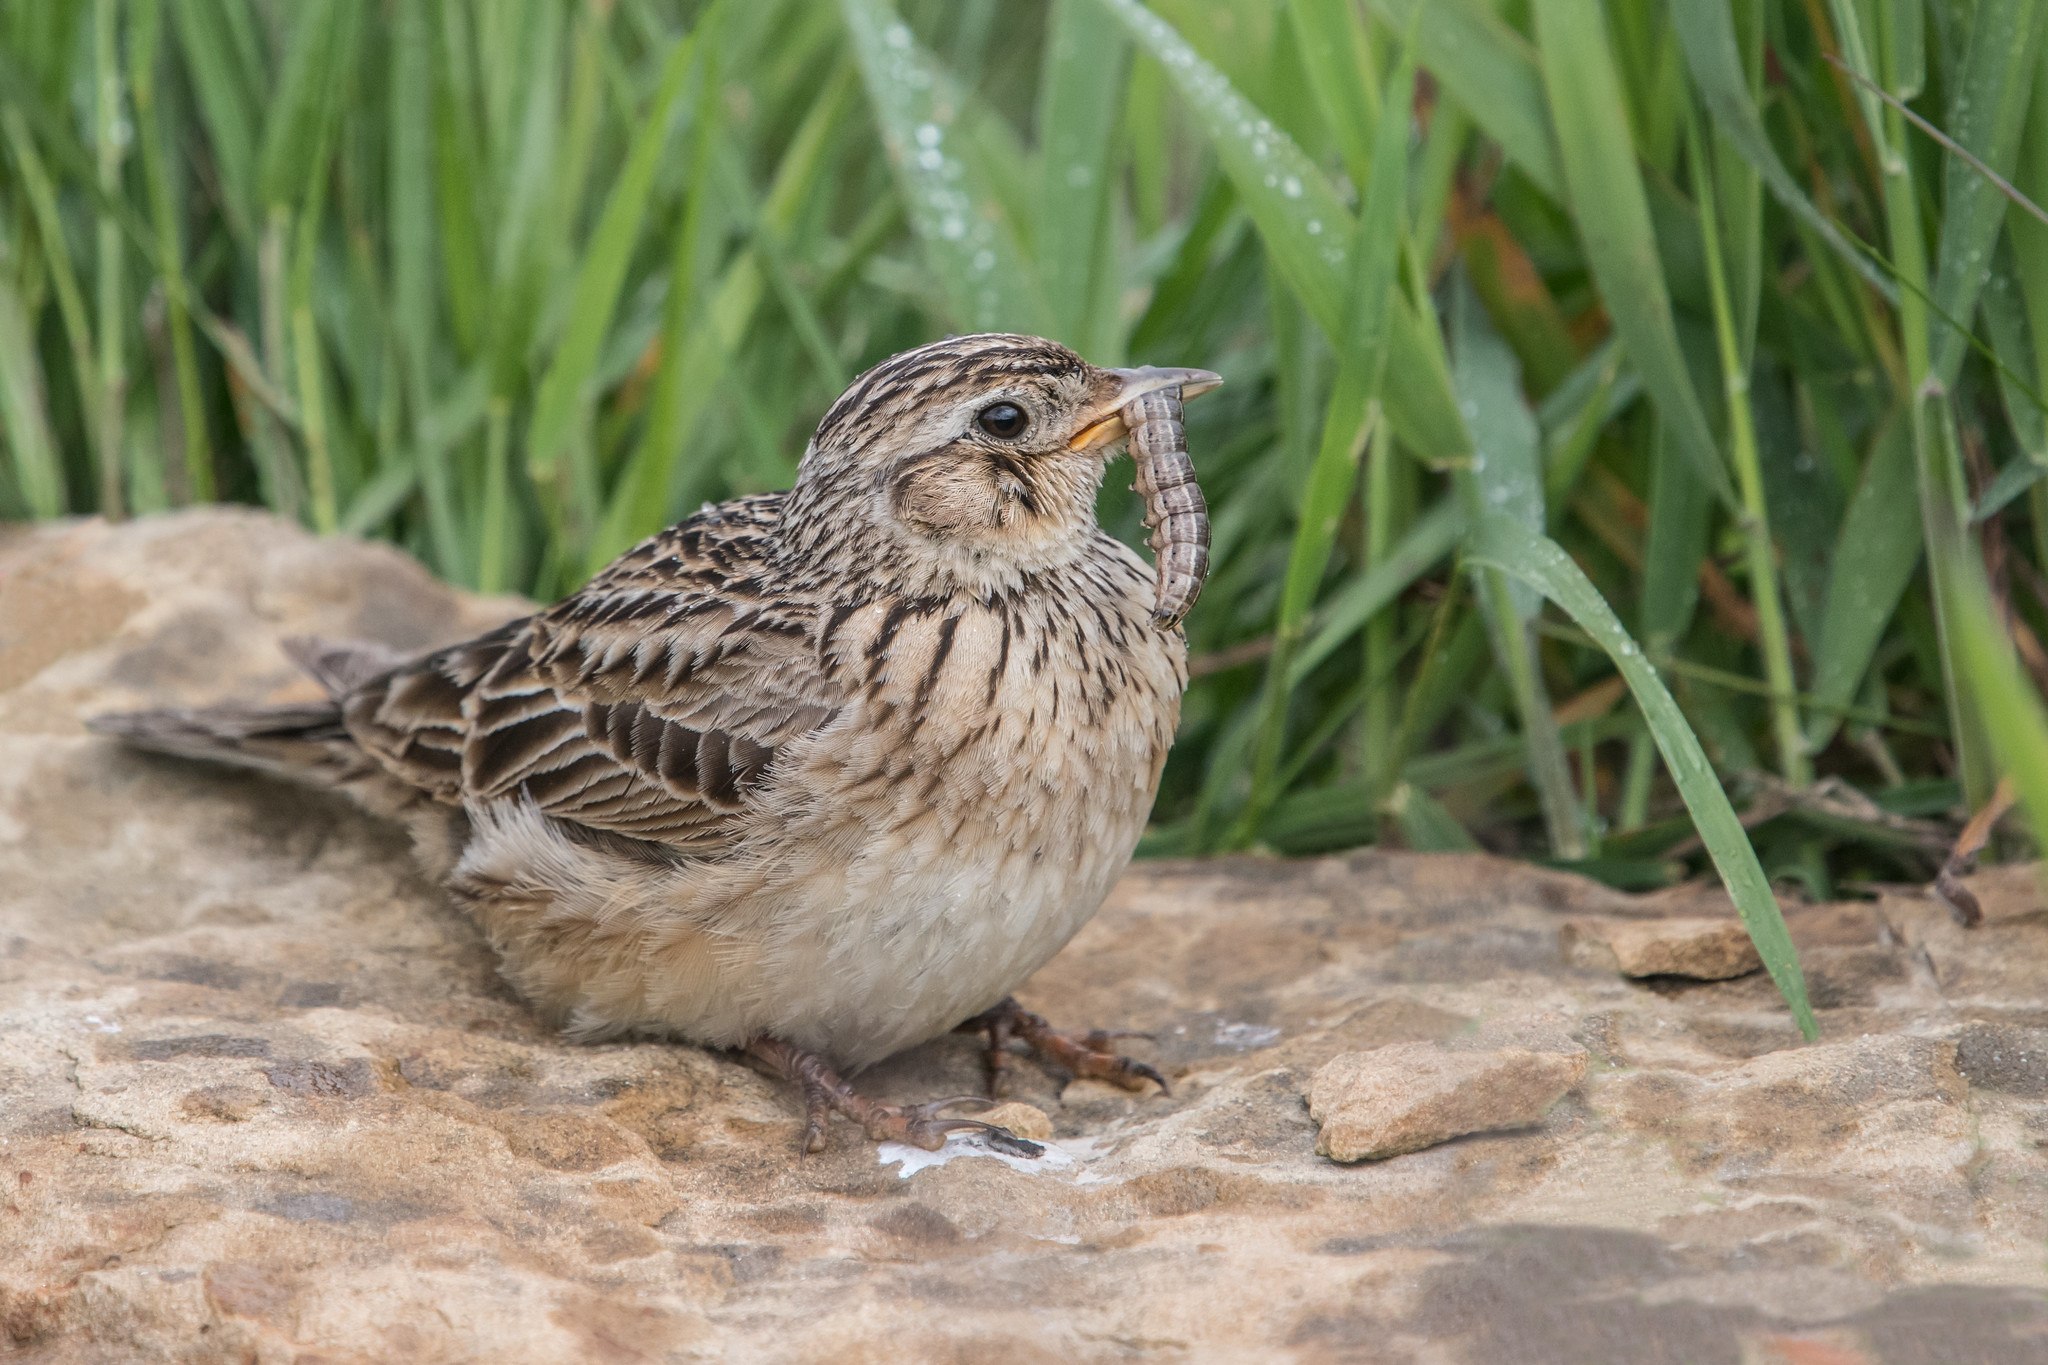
[924, 1125]
[1119, 1070]
[928, 1126]
[1089, 1055]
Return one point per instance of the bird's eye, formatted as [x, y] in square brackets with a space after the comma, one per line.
[1004, 421]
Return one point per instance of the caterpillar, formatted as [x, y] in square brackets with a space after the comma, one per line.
[1175, 511]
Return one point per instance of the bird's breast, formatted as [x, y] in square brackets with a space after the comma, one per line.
[1021, 716]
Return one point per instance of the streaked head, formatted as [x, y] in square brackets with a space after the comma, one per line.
[990, 446]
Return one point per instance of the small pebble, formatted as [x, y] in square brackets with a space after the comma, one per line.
[1025, 1120]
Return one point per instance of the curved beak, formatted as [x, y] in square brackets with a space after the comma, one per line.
[1109, 425]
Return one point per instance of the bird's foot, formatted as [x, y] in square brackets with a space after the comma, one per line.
[1089, 1055]
[827, 1093]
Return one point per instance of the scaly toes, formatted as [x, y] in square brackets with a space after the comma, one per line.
[1092, 1055]
[826, 1092]
[928, 1126]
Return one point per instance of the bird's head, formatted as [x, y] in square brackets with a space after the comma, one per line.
[977, 457]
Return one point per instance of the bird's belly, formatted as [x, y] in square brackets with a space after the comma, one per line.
[929, 932]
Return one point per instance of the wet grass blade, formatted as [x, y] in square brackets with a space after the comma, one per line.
[1307, 231]
[1502, 542]
[971, 246]
[1352, 409]
[1989, 108]
[1505, 478]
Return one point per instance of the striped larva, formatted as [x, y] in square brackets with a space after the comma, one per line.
[1175, 511]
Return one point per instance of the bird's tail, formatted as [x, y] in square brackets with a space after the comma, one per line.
[306, 741]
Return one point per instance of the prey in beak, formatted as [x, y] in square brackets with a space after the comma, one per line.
[1145, 407]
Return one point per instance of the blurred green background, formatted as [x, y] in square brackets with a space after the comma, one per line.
[1742, 305]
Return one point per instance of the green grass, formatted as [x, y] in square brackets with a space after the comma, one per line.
[1727, 322]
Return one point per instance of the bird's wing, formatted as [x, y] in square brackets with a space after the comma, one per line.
[650, 704]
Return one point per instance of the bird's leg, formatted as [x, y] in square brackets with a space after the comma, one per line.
[1089, 1055]
[827, 1093]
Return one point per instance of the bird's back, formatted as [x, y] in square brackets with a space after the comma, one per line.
[648, 705]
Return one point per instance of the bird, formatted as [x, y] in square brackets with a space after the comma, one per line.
[813, 776]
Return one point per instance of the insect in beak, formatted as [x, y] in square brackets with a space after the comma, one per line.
[1147, 406]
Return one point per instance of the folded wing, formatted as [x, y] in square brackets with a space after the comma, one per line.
[651, 704]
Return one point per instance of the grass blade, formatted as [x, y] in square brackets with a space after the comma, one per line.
[1489, 70]
[1077, 123]
[565, 395]
[2011, 709]
[1505, 478]
[1337, 57]
[37, 472]
[1987, 112]
[110, 141]
[458, 154]
[221, 81]
[1755, 524]
[1433, 535]
[1613, 217]
[1307, 231]
[164, 212]
[695, 355]
[1706, 35]
[318, 47]
[1504, 543]
[1426, 826]
[971, 246]
[1352, 409]
[409, 206]
[1876, 554]
[63, 276]
[1681, 517]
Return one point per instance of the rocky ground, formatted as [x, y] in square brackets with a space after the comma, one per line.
[262, 1097]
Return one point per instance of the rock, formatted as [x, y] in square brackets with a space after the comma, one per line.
[1025, 1120]
[2008, 1057]
[1703, 949]
[263, 1096]
[1408, 1096]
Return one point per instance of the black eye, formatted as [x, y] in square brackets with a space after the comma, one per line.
[1004, 421]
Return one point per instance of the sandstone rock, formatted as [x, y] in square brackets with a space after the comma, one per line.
[2009, 1057]
[1408, 1096]
[1025, 1120]
[264, 1098]
[1704, 949]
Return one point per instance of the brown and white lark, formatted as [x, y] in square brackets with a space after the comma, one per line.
[820, 774]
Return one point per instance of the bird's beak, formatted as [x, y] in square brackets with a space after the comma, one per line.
[1108, 424]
